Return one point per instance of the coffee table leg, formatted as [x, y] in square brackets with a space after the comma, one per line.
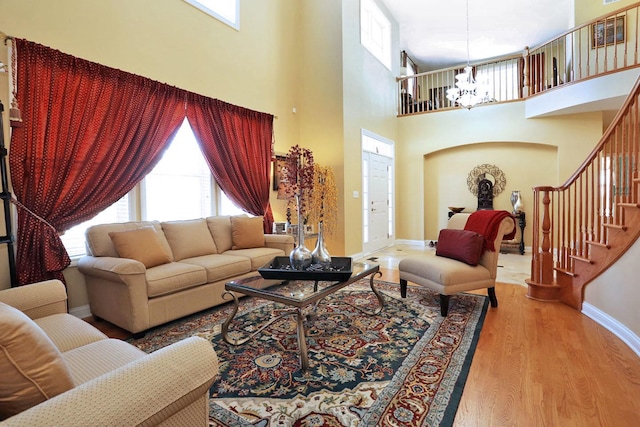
[302, 340]
[225, 325]
[376, 293]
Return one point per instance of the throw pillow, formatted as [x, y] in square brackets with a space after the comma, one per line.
[141, 244]
[189, 238]
[33, 369]
[461, 245]
[247, 232]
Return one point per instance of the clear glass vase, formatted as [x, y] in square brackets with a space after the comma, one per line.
[300, 256]
[320, 254]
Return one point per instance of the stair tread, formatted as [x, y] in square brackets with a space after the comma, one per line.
[565, 271]
[616, 226]
[583, 259]
[600, 244]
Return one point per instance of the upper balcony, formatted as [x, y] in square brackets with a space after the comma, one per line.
[596, 62]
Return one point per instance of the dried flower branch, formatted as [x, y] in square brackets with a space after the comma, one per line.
[323, 206]
[298, 175]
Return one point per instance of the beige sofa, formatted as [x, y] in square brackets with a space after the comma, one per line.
[58, 370]
[136, 281]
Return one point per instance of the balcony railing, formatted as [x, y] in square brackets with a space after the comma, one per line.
[605, 45]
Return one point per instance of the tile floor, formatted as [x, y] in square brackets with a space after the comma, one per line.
[512, 267]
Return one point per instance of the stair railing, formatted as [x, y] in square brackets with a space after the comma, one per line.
[607, 44]
[577, 218]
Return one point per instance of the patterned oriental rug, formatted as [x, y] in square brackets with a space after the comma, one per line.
[406, 366]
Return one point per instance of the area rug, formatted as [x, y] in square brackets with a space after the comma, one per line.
[406, 366]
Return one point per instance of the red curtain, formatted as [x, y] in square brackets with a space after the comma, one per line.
[236, 143]
[89, 134]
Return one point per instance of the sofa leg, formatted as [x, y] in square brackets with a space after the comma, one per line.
[492, 297]
[403, 288]
[444, 305]
[138, 335]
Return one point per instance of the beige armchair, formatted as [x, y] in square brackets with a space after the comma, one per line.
[463, 260]
[58, 370]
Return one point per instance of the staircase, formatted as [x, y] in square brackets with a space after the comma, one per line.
[582, 227]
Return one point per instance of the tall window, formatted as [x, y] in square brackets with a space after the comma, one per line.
[227, 11]
[179, 187]
[375, 31]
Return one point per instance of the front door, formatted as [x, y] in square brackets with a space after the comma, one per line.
[377, 197]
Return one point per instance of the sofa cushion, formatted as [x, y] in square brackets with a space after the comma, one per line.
[189, 238]
[68, 332]
[220, 228]
[221, 266]
[170, 278]
[93, 360]
[99, 243]
[142, 245]
[461, 245]
[247, 232]
[33, 369]
[258, 256]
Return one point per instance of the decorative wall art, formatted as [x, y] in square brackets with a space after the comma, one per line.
[486, 171]
[607, 32]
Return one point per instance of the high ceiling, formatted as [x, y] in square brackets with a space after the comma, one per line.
[434, 33]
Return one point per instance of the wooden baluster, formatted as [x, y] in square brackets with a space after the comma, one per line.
[525, 72]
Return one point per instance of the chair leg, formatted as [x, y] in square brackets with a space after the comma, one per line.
[444, 305]
[403, 288]
[492, 297]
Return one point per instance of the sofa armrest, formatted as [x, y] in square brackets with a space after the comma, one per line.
[143, 392]
[37, 299]
[109, 267]
[283, 242]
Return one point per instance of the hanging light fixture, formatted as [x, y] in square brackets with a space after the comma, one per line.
[466, 92]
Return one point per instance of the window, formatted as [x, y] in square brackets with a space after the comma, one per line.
[179, 187]
[73, 239]
[375, 32]
[227, 11]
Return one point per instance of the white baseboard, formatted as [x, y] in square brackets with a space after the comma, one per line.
[412, 242]
[82, 312]
[613, 326]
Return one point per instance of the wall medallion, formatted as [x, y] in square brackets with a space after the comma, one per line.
[486, 171]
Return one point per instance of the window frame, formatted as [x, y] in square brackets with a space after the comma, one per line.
[235, 24]
[373, 18]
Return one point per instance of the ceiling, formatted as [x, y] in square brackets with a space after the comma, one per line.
[434, 33]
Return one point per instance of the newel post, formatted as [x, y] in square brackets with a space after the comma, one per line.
[546, 257]
[541, 285]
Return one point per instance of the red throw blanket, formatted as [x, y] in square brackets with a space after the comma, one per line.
[487, 222]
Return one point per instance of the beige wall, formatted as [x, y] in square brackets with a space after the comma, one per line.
[444, 185]
[173, 42]
[369, 103]
[572, 137]
[586, 10]
[615, 292]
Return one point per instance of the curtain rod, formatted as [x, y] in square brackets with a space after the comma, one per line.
[6, 37]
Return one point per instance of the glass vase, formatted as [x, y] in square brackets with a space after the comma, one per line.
[300, 256]
[320, 254]
[516, 201]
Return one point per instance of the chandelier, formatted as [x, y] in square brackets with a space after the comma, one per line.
[466, 93]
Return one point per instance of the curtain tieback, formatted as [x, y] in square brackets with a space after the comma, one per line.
[35, 215]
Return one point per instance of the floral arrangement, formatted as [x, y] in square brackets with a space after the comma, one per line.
[298, 176]
[323, 205]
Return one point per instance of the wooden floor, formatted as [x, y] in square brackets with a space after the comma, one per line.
[540, 364]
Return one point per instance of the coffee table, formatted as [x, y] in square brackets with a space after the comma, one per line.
[302, 296]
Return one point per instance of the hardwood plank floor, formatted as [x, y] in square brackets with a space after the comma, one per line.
[539, 364]
[546, 364]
